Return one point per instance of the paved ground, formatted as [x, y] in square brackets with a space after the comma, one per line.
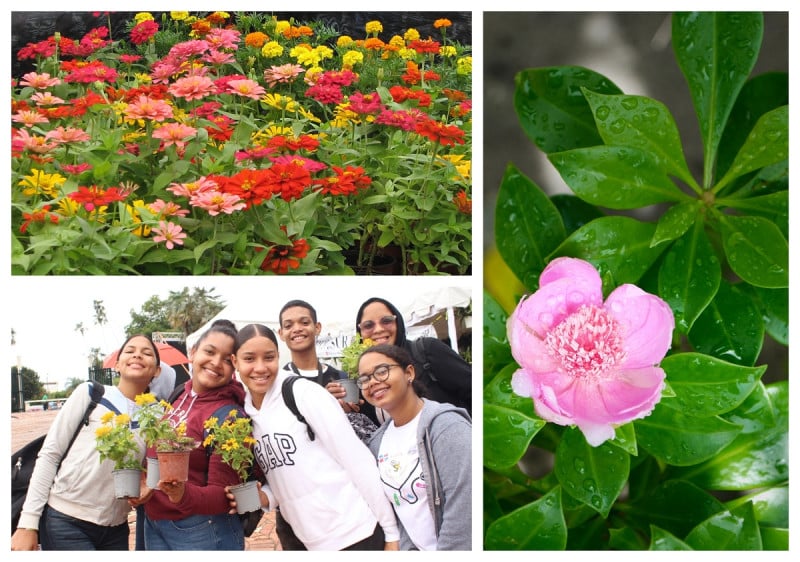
[29, 425]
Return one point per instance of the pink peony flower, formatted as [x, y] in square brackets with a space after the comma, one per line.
[585, 362]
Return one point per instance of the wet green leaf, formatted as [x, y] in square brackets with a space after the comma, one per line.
[676, 221]
[537, 526]
[771, 506]
[575, 212]
[775, 310]
[716, 52]
[664, 540]
[676, 506]
[506, 435]
[756, 251]
[689, 276]
[705, 386]
[593, 475]
[496, 349]
[728, 530]
[551, 107]
[730, 328]
[615, 177]
[527, 226]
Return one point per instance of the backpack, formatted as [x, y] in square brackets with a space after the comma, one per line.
[361, 424]
[437, 390]
[24, 460]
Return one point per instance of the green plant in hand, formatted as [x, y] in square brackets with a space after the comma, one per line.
[115, 441]
[707, 468]
[352, 353]
[233, 441]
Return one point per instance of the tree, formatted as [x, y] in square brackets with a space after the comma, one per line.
[32, 388]
[182, 311]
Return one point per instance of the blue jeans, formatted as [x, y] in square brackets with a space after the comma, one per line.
[58, 531]
[196, 532]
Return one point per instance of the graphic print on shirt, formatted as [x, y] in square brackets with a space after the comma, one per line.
[275, 451]
[402, 473]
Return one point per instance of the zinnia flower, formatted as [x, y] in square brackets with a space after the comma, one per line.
[585, 362]
[169, 233]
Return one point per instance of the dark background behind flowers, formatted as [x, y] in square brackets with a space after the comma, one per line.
[30, 27]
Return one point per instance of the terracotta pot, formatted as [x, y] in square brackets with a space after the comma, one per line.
[173, 466]
[126, 482]
[246, 495]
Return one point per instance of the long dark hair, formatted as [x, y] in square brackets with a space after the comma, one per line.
[148, 338]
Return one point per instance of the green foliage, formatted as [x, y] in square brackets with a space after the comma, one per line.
[708, 468]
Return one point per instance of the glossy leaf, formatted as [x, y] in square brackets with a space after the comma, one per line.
[730, 328]
[625, 538]
[537, 526]
[774, 539]
[616, 245]
[756, 251]
[551, 107]
[689, 276]
[680, 439]
[728, 530]
[767, 144]
[593, 475]
[496, 350]
[705, 386]
[575, 212]
[771, 506]
[527, 226]
[677, 506]
[664, 540]
[643, 123]
[716, 52]
[676, 221]
[615, 177]
[774, 206]
[759, 458]
[759, 95]
[498, 392]
[775, 310]
[506, 435]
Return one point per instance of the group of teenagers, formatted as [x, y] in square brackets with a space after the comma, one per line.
[405, 484]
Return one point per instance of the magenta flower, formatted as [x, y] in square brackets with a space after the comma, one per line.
[585, 362]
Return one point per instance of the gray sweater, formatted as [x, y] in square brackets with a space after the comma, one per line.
[444, 441]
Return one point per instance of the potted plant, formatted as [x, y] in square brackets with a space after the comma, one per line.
[170, 441]
[233, 441]
[350, 355]
[116, 442]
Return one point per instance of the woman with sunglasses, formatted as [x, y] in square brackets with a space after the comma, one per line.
[424, 454]
[446, 375]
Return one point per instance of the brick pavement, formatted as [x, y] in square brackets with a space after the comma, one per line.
[29, 425]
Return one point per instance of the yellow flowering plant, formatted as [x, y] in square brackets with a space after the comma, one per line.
[117, 442]
[157, 429]
[232, 440]
[352, 353]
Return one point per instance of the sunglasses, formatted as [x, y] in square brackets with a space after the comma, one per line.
[380, 374]
[369, 325]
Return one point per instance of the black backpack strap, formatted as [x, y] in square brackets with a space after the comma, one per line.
[96, 391]
[288, 398]
[177, 391]
[421, 355]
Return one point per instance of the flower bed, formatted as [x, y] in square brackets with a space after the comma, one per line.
[242, 144]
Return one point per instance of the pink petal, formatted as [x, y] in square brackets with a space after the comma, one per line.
[571, 268]
[596, 434]
[527, 348]
[647, 323]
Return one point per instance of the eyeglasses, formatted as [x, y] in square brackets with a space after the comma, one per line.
[380, 374]
[369, 325]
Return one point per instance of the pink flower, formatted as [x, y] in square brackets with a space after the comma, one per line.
[174, 133]
[193, 87]
[246, 88]
[145, 107]
[585, 362]
[216, 202]
[170, 233]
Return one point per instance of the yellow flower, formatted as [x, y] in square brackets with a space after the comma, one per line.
[397, 41]
[107, 417]
[464, 66]
[351, 58]
[374, 27]
[344, 41]
[281, 26]
[272, 49]
[179, 16]
[411, 34]
[103, 430]
[447, 51]
[41, 183]
[232, 440]
[143, 16]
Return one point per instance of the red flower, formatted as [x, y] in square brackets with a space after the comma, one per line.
[143, 31]
[446, 135]
[94, 197]
[463, 203]
[282, 258]
[289, 180]
[252, 186]
[346, 181]
[425, 46]
[42, 215]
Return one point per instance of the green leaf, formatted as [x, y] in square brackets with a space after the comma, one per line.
[679, 439]
[759, 95]
[705, 386]
[767, 144]
[775, 539]
[676, 506]
[774, 206]
[625, 538]
[498, 392]
[756, 251]
[527, 226]
[575, 212]
[506, 435]
[643, 123]
[664, 540]
[716, 52]
[771, 506]
[689, 276]
[728, 530]
[676, 221]
[537, 526]
[731, 327]
[618, 246]
[775, 310]
[615, 177]
[496, 349]
[552, 110]
[756, 458]
[593, 475]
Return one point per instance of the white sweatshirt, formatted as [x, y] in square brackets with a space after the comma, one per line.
[329, 489]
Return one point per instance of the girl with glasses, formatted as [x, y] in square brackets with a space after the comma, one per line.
[326, 485]
[424, 454]
[446, 375]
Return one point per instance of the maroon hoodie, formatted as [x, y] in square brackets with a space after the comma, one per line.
[201, 497]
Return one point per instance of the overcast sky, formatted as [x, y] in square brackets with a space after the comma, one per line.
[44, 312]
